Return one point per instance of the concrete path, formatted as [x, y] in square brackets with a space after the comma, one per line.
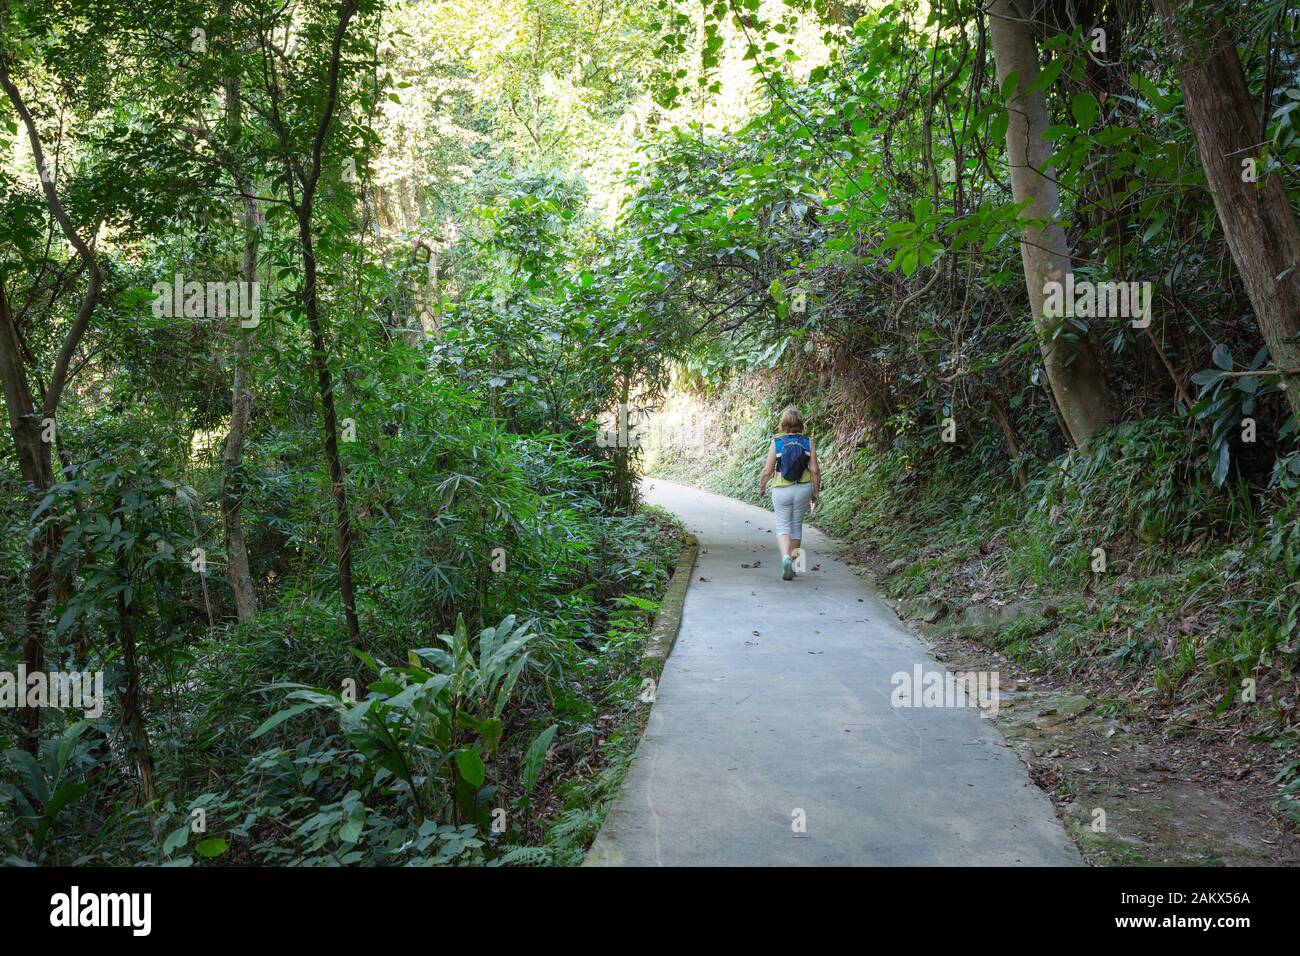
[775, 708]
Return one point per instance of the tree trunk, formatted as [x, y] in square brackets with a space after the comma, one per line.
[238, 574]
[338, 479]
[132, 712]
[1073, 369]
[430, 305]
[308, 177]
[36, 466]
[1008, 433]
[623, 449]
[1257, 221]
[26, 422]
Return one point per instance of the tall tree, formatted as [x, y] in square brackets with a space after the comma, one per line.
[1256, 215]
[301, 179]
[1073, 369]
[238, 574]
[31, 416]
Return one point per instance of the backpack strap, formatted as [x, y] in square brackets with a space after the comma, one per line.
[801, 439]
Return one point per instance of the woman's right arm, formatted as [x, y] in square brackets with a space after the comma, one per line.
[767, 469]
[816, 471]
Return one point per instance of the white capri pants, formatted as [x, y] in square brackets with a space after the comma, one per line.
[790, 502]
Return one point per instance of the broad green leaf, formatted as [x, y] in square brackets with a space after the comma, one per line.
[176, 839]
[1085, 109]
[277, 719]
[211, 847]
[535, 757]
[471, 768]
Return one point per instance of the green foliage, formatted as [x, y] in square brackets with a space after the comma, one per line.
[1228, 400]
[412, 724]
[514, 228]
[45, 786]
[466, 432]
[1137, 486]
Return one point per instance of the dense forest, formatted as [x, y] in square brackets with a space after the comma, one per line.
[335, 336]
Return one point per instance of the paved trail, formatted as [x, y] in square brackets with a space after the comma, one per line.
[749, 728]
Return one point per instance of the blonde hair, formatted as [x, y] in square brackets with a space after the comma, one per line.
[791, 421]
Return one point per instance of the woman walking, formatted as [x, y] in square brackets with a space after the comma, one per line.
[792, 458]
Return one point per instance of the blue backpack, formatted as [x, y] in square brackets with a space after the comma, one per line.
[792, 454]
